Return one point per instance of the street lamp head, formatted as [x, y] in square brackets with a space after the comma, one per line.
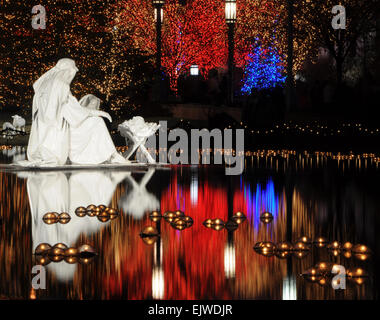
[162, 14]
[158, 2]
[230, 11]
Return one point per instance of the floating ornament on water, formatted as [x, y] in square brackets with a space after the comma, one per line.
[265, 248]
[305, 239]
[42, 260]
[169, 216]
[71, 252]
[301, 249]
[361, 252]
[113, 213]
[179, 213]
[320, 242]
[283, 250]
[90, 210]
[239, 217]
[178, 224]
[347, 246]
[86, 251]
[71, 259]
[231, 225]
[64, 218]
[207, 223]
[155, 216]
[149, 232]
[50, 217]
[217, 224]
[81, 211]
[335, 245]
[56, 254]
[103, 216]
[60, 246]
[357, 273]
[102, 207]
[189, 221]
[266, 217]
[42, 249]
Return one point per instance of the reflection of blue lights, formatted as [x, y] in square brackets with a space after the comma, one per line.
[260, 201]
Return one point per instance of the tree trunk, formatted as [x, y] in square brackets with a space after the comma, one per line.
[289, 79]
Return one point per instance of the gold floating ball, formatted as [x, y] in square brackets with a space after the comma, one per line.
[64, 218]
[231, 225]
[301, 246]
[56, 254]
[81, 211]
[265, 248]
[313, 272]
[86, 251]
[283, 250]
[90, 210]
[169, 216]
[334, 252]
[155, 216]
[179, 213]
[300, 254]
[360, 280]
[178, 224]
[60, 246]
[102, 207]
[71, 259]
[189, 221]
[305, 239]
[217, 227]
[239, 217]
[149, 232]
[347, 246]
[50, 217]
[347, 254]
[71, 252]
[150, 240]
[42, 260]
[360, 249]
[207, 223]
[42, 249]
[335, 245]
[324, 267]
[323, 282]
[357, 273]
[113, 213]
[217, 222]
[266, 217]
[103, 216]
[320, 242]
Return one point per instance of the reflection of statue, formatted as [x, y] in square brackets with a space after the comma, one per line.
[138, 131]
[55, 192]
[139, 200]
[55, 112]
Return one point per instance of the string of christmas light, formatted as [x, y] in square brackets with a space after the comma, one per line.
[265, 69]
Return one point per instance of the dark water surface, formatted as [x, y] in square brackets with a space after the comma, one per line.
[313, 196]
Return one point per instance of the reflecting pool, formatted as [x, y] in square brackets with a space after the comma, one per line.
[329, 201]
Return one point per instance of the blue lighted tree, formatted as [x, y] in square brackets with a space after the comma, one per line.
[265, 69]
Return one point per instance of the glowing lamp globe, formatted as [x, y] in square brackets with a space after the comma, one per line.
[194, 70]
[230, 11]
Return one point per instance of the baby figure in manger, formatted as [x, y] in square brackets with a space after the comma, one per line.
[64, 129]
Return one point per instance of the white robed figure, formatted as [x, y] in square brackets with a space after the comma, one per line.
[57, 115]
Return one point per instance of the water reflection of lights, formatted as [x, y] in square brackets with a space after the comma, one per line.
[229, 260]
[289, 288]
[158, 280]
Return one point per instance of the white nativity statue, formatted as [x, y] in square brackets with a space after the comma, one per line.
[62, 128]
[138, 131]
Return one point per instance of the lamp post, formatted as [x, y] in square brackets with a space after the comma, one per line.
[230, 10]
[158, 14]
